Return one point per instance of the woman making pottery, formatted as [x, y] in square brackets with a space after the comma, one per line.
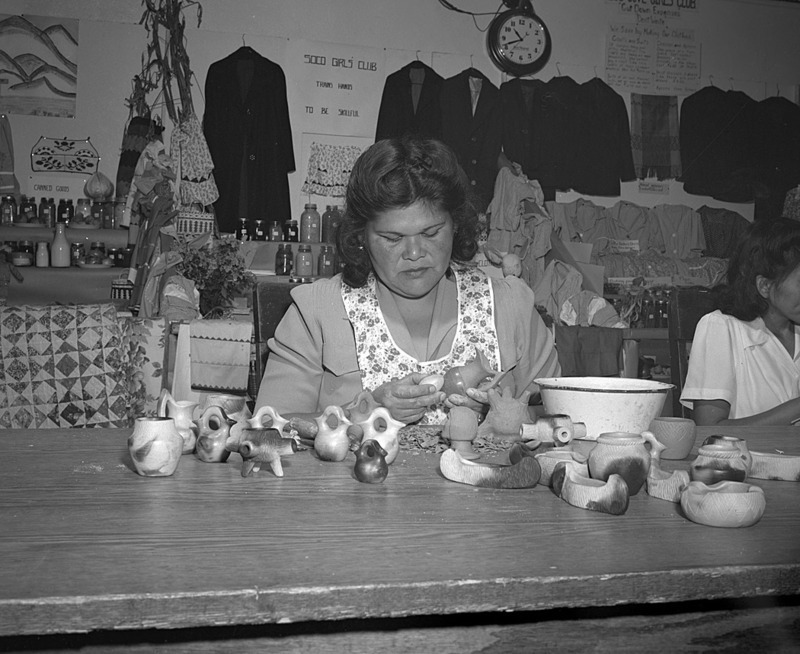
[744, 365]
[407, 304]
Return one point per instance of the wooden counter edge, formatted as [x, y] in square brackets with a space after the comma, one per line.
[283, 605]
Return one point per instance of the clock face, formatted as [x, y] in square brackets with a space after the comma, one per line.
[522, 39]
[518, 42]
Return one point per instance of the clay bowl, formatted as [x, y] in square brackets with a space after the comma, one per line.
[605, 404]
[677, 435]
[724, 504]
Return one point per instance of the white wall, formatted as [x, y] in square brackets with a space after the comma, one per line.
[750, 45]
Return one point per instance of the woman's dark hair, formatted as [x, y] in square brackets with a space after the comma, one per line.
[769, 248]
[394, 174]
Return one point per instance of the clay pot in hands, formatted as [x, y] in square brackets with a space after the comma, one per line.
[332, 442]
[213, 430]
[371, 466]
[182, 412]
[155, 447]
[460, 430]
[381, 427]
[459, 378]
[624, 454]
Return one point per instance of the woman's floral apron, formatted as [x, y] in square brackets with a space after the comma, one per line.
[381, 360]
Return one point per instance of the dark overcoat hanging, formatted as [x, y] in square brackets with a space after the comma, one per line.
[246, 124]
[397, 115]
[475, 138]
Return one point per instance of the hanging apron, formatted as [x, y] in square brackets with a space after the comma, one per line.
[381, 360]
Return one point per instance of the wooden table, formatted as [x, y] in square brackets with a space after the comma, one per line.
[87, 545]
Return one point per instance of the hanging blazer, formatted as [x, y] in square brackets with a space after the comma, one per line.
[396, 115]
[249, 135]
[476, 139]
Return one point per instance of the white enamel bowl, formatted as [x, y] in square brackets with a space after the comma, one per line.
[605, 404]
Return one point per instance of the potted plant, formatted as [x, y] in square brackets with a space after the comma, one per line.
[218, 270]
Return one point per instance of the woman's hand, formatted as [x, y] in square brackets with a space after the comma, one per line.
[407, 399]
[475, 399]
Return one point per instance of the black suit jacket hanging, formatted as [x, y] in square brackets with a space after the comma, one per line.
[246, 124]
[475, 138]
[397, 115]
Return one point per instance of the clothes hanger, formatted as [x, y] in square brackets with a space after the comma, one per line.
[474, 72]
[417, 63]
[245, 50]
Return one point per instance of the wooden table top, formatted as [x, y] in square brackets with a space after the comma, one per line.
[87, 544]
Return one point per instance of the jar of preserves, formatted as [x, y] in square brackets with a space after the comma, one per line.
[325, 262]
[77, 252]
[304, 262]
[8, 210]
[283, 260]
[275, 231]
[46, 214]
[309, 224]
[23, 256]
[27, 211]
[260, 231]
[97, 252]
[290, 231]
[242, 232]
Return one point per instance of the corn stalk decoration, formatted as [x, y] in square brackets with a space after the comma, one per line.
[166, 63]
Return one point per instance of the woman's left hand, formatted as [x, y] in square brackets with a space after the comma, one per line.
[475, 399]
[407, 399]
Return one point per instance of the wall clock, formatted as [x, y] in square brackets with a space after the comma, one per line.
[518, 40]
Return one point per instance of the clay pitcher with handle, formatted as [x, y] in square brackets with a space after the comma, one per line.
[625, 454]
[182, 413]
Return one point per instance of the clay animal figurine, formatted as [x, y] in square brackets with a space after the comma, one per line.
[259, 446]
[506, 415]
[182, 412]
[213, 430]
[666, 485]
[609, 496]
[235, 406]
[371, 466]
[267, 418]
[775, 466]
[361, 407]
[381, 427]
[523, 474]
[332, 442]
[155, 447]
[460, 429]
[557, 428]
[459, 378]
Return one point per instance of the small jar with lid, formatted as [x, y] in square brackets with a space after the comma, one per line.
[8, 210]
[304, 261]
[242, 231]
[310, 224]
[259, 231]
[82, 216]
[96, 213]
[23, 256]
[290, 231]
[275, 231]
[97, 252]
[325, 262]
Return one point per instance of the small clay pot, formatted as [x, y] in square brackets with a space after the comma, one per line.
[724, 504]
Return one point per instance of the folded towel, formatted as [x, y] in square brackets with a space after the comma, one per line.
[220, 354]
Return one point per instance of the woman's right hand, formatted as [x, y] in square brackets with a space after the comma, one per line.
[406, 399]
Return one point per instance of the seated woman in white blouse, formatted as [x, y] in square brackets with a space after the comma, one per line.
[744, 365]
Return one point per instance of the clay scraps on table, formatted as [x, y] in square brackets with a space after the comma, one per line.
[428, 438]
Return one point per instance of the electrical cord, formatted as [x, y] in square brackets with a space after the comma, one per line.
[450, 6]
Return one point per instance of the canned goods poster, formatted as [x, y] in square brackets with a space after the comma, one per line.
[335, 88]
